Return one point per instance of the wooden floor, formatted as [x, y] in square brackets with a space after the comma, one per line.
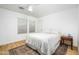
[4, 49]
[72, 52]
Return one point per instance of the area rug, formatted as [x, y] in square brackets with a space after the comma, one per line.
[23, 50]
[61, 50]
[26, 50]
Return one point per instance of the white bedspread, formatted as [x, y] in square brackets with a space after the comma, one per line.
[43, 42]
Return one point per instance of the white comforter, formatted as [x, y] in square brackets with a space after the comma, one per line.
[43, 42]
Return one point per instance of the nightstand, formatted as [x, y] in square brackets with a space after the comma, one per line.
[67, 38]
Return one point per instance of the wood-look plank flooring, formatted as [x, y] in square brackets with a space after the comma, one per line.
[4, 49]
[72, 52]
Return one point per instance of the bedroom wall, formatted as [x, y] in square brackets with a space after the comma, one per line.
[64, 21]
[8, 26]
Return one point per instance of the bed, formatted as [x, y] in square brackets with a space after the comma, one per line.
[44, 43]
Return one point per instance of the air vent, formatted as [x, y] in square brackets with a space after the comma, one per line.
[21, 7]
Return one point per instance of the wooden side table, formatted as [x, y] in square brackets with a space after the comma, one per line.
[67, 38]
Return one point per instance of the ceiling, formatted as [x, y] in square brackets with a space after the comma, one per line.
[39, 10]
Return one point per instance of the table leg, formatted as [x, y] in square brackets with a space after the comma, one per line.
[71, 44]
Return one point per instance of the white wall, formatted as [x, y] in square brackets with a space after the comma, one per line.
[8, 26]
[64, 21]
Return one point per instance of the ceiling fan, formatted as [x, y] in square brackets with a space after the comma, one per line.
[28, 7]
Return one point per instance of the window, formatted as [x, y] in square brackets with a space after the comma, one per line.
[31, 26]
[22, 25]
